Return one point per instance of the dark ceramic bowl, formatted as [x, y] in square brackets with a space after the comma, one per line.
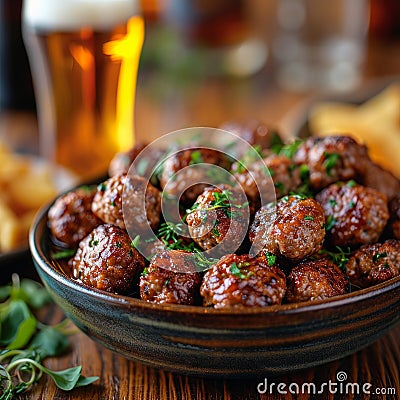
[220, 343]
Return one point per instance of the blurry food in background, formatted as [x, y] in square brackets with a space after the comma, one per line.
[255, 132]
[385, 19]
[319, 45]
[375, 123]
[26, 184]
[84, 57]
[16, 90]
[219, 33]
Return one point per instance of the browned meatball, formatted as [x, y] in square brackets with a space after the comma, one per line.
[272, 178]
[243, 281]
[254, 132]
[331, 159]
[374, 263]
[106, 260]
[315, 280]
[122, 161]
[219, 216]
[170, 278]
[296, 232]
[71, 217]
[394, 221]
[107, 203]
[381, 180]
[187, 186]
[355, 215]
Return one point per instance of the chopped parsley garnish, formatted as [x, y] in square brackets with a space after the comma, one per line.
[287, 150]
[304, 187]
[144, 272]
[332, 202]
[251, 155]
[118, 244]
[93, 242]
[377, 256]
[87, 188]
[235, 271]
[351, 183]
[271, 258]
[170, 231]
[352, 204]
[63, 254]
[280, 186]
[330, 162]
[339, 258]
[135, 242]
[276, 143]
[102, 187]
[142, 166]
[308, 218]
[196, 157]
[222, 200]
[304, 172]
[299, 196]
[201, 261]
[330, 222]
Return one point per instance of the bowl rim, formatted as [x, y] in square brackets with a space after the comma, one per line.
[42, 261]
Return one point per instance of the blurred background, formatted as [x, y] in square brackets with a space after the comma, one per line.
[205, 62]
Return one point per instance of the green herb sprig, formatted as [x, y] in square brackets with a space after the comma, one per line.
[340, 257]
[251, 155]
[25, 342]
[222, 200]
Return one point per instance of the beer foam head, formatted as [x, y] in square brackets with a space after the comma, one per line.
[68, 15]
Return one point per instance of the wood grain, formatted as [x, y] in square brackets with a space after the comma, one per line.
[125, 380]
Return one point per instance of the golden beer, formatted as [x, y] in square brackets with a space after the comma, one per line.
[84, 68]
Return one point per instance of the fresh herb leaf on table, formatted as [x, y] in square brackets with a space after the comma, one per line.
[25, 342]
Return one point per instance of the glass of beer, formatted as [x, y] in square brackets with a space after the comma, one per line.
[84, 57]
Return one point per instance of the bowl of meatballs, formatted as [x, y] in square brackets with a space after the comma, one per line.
[230, 258]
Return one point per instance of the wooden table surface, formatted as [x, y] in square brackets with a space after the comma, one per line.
[121, 379]
[210, 102]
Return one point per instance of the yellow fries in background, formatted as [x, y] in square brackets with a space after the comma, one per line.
[375, 123]
[24, 187]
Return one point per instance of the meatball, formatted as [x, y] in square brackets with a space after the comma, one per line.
[315, 280]
[296, 232]
[254, 132]
[256, 178]
[331, 159]
[394, 221]
[187, 186]
[219, 216]
[122, 161]
[107, 203]
[355, 214]
[374, 263]
[243, 281]
[106, 260]
[381, 180]
[170, 278]
[71, 217]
